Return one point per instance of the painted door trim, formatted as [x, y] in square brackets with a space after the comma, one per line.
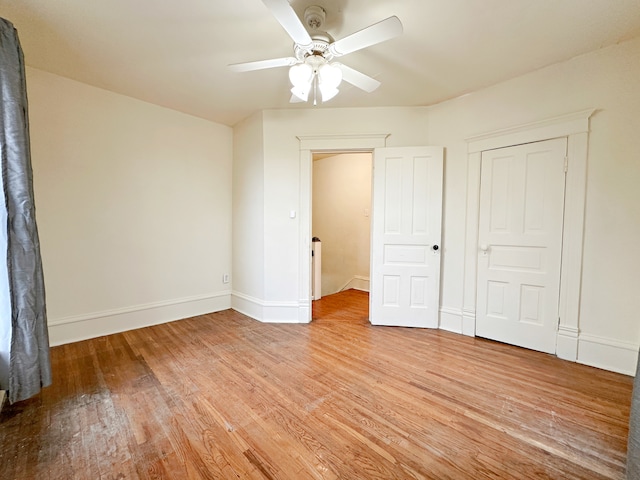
[308, 145]
[575, 127]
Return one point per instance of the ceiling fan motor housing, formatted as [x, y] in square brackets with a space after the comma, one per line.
[319, 47]
[314, 18]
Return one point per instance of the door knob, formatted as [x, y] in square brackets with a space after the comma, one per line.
[485, 248]
[435, 248]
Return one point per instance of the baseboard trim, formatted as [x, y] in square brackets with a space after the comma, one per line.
[469, 322]
[451, 319]
[281, 312]
[608, 354]
[357, 282]
[567, 343]
[270, 311]
[247, 305]
[83, 327]
[592, 350]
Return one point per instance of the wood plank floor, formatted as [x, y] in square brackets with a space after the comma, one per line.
[222, 396]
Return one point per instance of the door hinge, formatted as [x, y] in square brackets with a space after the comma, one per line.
[566, 164]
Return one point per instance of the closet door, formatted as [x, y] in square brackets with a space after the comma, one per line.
[520, 244]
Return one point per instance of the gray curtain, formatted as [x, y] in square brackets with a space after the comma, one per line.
[633, 448]
[29, 364]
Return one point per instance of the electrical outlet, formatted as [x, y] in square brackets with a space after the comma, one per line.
[225, 278]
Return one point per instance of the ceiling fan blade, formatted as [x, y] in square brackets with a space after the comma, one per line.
[359, 79]
[289, 21]
[261, 64]
[372, 35]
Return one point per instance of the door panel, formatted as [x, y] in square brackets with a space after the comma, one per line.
[405, 226]
[520, 242]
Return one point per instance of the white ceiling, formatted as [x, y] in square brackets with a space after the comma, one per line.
[174, 53]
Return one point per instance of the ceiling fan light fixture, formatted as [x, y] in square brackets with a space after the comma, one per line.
[301, 75]
[302, 92]
[328, 92]
[329, 78]
[330, 75]
[309, 68]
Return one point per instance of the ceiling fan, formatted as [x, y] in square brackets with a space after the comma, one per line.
[311, 66]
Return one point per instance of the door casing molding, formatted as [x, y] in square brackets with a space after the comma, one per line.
[308, 145]
[575, 127]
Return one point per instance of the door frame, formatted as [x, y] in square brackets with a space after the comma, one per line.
[575, 127]
[310, 144]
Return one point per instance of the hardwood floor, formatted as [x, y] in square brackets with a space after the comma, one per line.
[223, 396]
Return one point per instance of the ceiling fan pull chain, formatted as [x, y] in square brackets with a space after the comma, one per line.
[315, 90]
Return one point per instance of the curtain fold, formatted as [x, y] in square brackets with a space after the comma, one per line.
[29, 363]
[633, 447]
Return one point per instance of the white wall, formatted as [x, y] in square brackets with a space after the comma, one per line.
[606, 80]
[341, 194]
[248, 216]
[133, 207]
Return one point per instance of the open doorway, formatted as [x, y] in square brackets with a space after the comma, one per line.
[341, 222]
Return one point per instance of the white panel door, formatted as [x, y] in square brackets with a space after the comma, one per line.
[520, 244]
[405, 236]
